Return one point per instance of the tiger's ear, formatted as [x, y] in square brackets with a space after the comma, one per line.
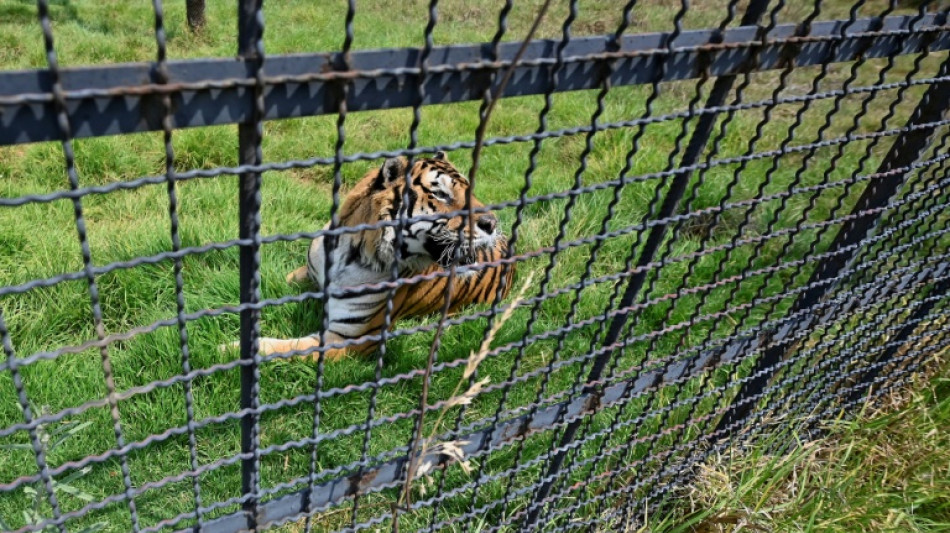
[440, 156]
[392, 169]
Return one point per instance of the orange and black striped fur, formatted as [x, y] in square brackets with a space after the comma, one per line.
[427, 246]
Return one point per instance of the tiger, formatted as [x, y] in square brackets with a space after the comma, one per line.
[427, 246]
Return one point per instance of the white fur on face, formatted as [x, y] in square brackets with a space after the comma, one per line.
[438, 181]
[419, 228]
[442, 183]
[418, 233]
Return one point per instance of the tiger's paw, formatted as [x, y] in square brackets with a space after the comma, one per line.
[228, 346]
[297, 276]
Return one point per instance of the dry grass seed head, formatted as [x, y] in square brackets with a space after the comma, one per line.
[475, 358]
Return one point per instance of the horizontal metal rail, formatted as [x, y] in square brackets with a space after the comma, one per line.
[127, 98]
[391, 473]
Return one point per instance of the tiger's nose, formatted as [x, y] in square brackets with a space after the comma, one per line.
[487, 223]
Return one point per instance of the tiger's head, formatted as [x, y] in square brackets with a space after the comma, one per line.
[437, 192]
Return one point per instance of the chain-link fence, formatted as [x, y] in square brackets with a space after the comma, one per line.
[720, 222]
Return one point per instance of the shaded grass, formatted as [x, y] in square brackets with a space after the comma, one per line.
[39, 241]
[885, 470]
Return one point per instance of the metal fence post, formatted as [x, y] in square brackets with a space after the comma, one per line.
[864, 216]
[694, 150]
[195, 13]
[250, 48]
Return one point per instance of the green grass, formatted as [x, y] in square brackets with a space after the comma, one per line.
[39, 241]
[886, 470]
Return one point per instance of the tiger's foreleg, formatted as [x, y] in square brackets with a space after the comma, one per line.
[350, 321]
[309, 344]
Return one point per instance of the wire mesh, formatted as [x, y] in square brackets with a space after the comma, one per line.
[722, 222]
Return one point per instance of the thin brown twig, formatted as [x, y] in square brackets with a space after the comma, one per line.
[475, 358]
[424, 400]
[476, 153]
[483, 124]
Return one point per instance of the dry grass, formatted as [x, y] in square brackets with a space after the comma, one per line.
[886, 470]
